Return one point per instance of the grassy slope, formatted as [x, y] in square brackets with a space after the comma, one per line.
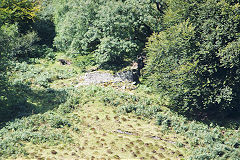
[92, 128]
[100, 136]
[91, 122]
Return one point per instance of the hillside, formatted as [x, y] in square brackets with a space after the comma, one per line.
[61, 121]
[120, 79]
[90, 123]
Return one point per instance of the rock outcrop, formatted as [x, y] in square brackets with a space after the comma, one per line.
[97, 77]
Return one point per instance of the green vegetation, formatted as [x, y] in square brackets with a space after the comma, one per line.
[23, 12]
[110, 30]
[186, 105]
[195, 59]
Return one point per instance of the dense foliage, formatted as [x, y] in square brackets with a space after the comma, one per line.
[43, 24]
[9, 98]
[192, 64]
[196, 59]
[22, 12]
[111, 30]
[18, 42]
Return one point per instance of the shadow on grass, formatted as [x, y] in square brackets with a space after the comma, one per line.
[229, 121]
[115, 67]
[25, 101]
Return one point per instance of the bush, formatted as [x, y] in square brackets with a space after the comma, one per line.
[112, 50]
[18, 46]
[195, 61]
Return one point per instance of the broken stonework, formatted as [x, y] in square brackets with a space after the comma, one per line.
[98, 77]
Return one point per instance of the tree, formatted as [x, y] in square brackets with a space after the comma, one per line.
[9, 97]
[111, 30]
[22, 12]
[198, 66]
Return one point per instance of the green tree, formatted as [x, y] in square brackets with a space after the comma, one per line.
[87, 27]
[17, 46]
[19, 42]
[72, 20]
[199, 72]
[44, 23]
[20, 11]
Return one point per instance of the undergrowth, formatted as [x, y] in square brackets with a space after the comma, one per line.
[50, 118]
[206, 141]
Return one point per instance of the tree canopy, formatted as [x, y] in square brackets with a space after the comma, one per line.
[21, 11]
[196, 59]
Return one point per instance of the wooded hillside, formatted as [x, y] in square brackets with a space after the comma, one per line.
[188, 82]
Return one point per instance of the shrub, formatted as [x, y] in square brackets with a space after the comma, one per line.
[16, 45]
[84, 61]
[112, 50]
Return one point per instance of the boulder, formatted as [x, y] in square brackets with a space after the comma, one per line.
[64, 62]
[129, 75]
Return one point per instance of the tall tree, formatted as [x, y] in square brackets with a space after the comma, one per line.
[198, 64]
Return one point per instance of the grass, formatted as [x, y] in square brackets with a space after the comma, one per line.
[98, 137]
[88, 126]
[63, 122]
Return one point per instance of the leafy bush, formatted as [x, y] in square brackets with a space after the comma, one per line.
[56, 121]
[16, 45]
[112, 50]
[49, 53]
[84, 61]
[195, 61]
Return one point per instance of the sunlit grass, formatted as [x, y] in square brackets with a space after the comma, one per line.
[62, 121]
